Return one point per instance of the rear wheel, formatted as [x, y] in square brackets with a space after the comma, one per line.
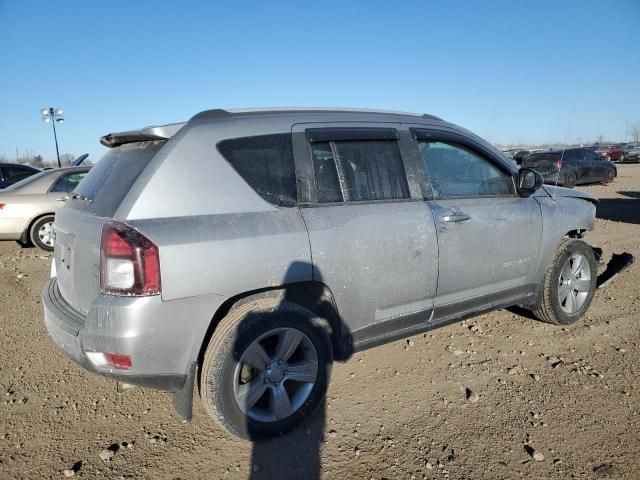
[570, 180]
[41, 233]
[266, 368]
[569, 284]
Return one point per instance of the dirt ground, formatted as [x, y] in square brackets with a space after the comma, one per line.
[399, 411]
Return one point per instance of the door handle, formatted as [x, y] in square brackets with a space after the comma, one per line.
[456, 217]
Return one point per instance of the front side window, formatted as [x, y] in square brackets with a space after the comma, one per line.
[457, 171]
[67, 183]
[265, 162]
[370, 170]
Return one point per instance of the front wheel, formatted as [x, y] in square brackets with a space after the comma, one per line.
[266, 368]
[41, 233]
[569, 284]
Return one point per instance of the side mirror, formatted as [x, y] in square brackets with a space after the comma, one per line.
[528, 181]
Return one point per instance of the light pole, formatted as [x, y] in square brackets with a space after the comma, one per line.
[52, 115]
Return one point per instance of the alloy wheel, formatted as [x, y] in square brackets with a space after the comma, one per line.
[574, 283]
[275, 375]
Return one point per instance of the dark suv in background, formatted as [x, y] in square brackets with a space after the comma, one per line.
[571, 167]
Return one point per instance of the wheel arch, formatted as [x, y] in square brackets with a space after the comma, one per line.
[25, 238]
[311, 295]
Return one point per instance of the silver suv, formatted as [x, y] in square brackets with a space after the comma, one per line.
[245, 251]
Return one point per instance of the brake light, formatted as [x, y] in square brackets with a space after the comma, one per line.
[558, 164]
[129, 262]
[2, 205]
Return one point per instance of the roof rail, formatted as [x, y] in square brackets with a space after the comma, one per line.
[156, 132]
[220, 113]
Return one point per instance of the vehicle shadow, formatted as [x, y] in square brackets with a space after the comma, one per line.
[625, 210]
[296, 454]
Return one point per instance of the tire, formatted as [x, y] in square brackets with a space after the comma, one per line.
[226, 371]
[610, 176]
[579, 284]
[570, 180]
[40, 233]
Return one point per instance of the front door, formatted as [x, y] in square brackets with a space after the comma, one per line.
[488, 237]
[371, 241]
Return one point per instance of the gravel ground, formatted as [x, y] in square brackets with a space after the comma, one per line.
[497, 396]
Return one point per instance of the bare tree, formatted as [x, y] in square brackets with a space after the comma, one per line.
[66, 159]
[634, 132]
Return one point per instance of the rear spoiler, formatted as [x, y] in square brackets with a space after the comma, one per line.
[157, 132]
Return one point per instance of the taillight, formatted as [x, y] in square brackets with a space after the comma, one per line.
[2, 205]
[129, 262]
[558, 164]
[122, 362]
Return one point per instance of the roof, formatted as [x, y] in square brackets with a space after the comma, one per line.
[219, 113]
[163, 132]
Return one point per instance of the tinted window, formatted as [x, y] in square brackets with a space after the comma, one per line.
[110, 180]
[266, 163]
[372, 170]
[67, 183]
[325, 174]
[552, 157]
[457, 171]
[15, 174]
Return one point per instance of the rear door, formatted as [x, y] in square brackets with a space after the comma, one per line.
[373, 242]
[488, 237]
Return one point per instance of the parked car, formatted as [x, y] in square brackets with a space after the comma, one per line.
[27, 207]
[571, 167]
[519, 155]
[11, 173]
[246, 250]
[633, 154]
[614, 153]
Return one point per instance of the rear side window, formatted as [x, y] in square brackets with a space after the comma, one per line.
[265, 162]
[368, 170]
[109, 181]
[67, 183]
[325, 174]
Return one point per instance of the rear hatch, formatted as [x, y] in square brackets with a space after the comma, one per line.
[545, 163]
[78, 224]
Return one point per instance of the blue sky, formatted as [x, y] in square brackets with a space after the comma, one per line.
[511, 71]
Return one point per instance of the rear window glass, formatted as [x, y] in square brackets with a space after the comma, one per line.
[544, 156]
[109, 181]
[265, 162]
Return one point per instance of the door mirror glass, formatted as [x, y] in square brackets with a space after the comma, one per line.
[528, 182]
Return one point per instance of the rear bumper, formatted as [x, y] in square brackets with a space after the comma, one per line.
[12, 228]
[163, 339]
